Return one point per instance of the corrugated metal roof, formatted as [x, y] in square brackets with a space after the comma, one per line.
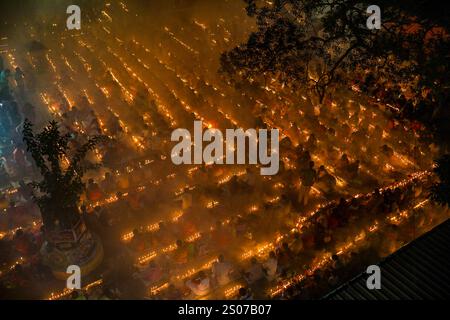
[419, 270]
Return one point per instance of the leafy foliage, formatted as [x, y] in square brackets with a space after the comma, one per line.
[61, 187]
[317, 43]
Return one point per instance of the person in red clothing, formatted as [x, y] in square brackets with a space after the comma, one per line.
[153, 273]
[94, 193]
[221, 237]
[181, 254]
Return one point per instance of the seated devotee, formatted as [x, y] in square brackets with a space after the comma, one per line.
[303, 160]
[340, 212]
[106, 294]
[308, 178]
[255, 271]
[186, 226]
[78, 295]
[297, 244]
[173, 293]
[245, 294]
[73, 114]
[186, 199]
[113, 125]
[93, 191]
[285, 144]
[163, 235]
[355, 207]
[240, 227]
[283, 213]
[136, 204]
[336, 264]
[153, 273]
[387, 151]
[311, 143]
[108, 184]
[123, 182]
[290, 293]
[204, 244]
[200, 285]
[375, 203]
[343, 163]
[192, 250]
[270, 266]
[85, 110]
[88, 116]
[221, 271]
[138, 242]
[93, 128]
[325, 181]
[221, 236]
[181, 253]
[353, 169]
[386, 206]
[286, 256]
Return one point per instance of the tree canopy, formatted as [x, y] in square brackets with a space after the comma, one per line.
[62, 170]
[318, 43]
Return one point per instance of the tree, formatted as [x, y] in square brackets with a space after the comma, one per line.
[60, 190]
[440, 192]
[316, 44]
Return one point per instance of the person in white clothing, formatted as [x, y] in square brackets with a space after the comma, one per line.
[221, 271]
[271, 266]
[200, 285]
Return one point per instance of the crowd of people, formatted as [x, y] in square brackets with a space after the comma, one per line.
[192, 232]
